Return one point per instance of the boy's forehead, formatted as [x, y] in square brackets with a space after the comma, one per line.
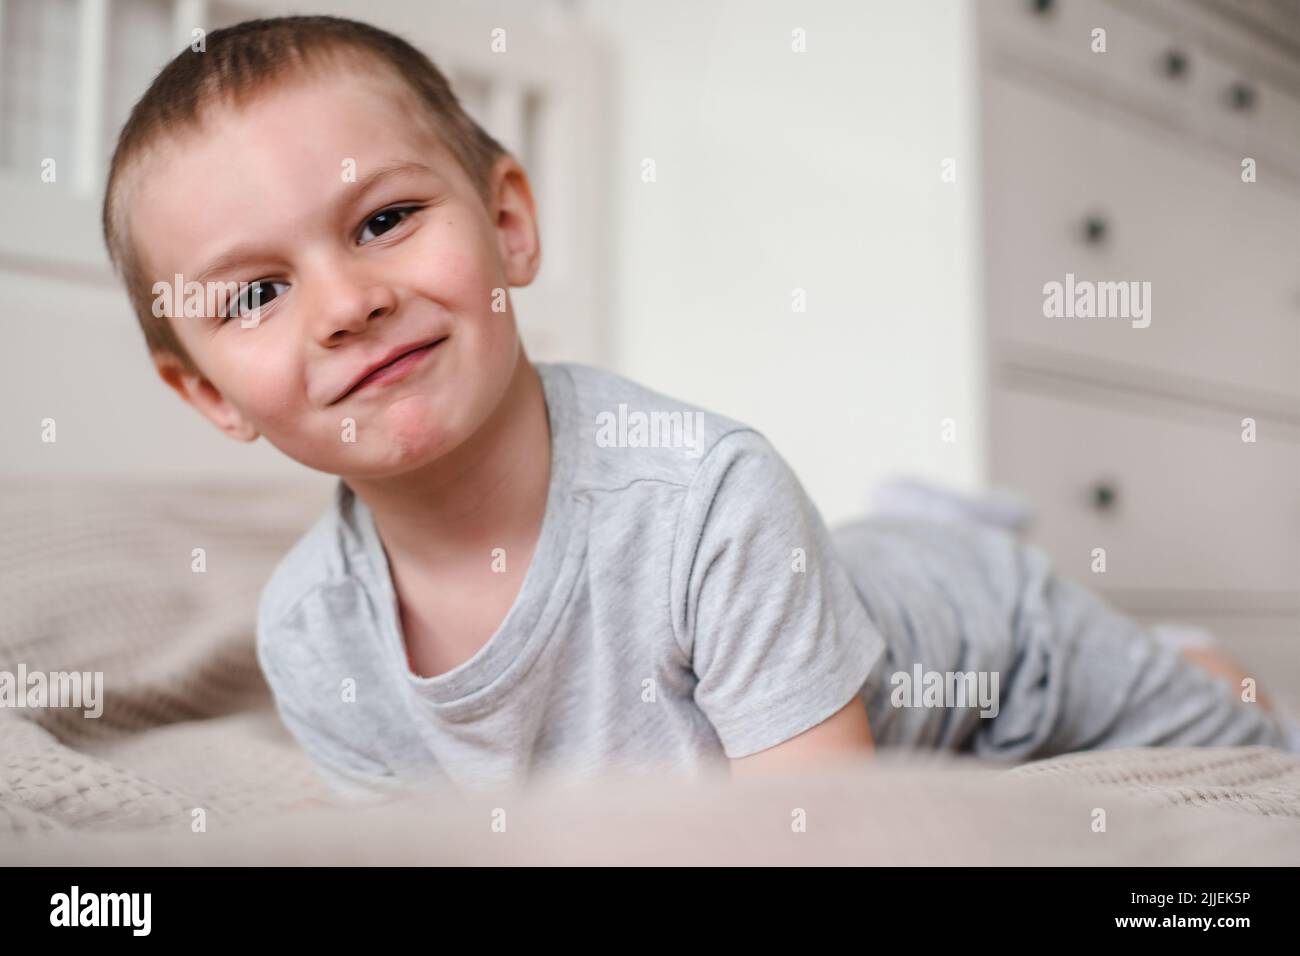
[313, 119]
[287, 151]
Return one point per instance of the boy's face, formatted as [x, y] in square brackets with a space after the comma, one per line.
[352, 267]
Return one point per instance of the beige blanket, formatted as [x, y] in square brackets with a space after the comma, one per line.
[189, 763]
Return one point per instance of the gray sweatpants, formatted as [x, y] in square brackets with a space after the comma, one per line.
[1073, 672]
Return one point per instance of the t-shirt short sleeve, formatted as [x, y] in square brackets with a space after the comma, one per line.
[775, 632]
[350, 775]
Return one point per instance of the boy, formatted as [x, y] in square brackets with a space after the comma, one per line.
[533, 567]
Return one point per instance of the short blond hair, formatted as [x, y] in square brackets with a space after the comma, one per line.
[236, 64]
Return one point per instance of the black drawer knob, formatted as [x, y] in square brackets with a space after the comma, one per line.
[1042, 7]
[1105, 496]
[1095, 230]
[1241, 97]
[1176, 64]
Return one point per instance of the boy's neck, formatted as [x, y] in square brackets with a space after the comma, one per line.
[490, 492]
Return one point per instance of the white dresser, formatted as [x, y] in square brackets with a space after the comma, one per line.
[1125, 433]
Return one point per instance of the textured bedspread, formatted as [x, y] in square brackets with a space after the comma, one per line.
[109, 580]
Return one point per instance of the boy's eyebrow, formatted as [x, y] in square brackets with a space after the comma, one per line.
[239, 254]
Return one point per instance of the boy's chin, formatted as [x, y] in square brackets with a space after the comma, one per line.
[382, 451]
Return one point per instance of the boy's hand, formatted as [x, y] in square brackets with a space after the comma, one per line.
[843, 736]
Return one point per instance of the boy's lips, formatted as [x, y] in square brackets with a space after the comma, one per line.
[393, 364]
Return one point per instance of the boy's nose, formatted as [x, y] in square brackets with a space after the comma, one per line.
[344, 298]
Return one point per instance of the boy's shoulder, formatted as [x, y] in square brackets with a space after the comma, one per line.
[324, 554]
[627, 432]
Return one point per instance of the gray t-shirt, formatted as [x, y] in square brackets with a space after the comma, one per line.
[683, 605]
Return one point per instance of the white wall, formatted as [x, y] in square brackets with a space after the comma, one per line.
[819, 170]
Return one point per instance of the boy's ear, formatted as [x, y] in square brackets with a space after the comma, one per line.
[196, 390]
[514, 215]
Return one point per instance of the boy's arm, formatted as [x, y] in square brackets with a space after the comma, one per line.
[774, 629]
[844, 736]
[345, 782]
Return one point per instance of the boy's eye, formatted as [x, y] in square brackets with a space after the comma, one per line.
[254, 296]
[382, 222]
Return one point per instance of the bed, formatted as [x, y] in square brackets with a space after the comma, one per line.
[156, 586]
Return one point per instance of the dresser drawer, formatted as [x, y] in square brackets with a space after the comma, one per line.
[1072, 193]
[1149, 67]
[1180, 504]
[1176, 70]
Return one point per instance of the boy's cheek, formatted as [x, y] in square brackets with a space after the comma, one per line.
[275, 395]
[319, 438]
[463, 279]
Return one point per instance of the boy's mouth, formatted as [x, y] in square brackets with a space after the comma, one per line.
[396, 364]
